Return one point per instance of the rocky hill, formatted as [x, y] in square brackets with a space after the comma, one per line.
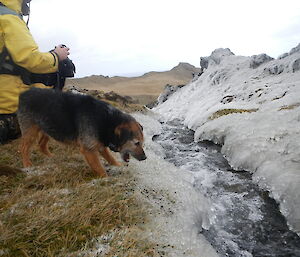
[145, 88]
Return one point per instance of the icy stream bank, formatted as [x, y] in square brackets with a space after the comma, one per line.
[244, 220]
[250, 106]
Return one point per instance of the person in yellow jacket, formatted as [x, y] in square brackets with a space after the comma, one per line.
[16, 39]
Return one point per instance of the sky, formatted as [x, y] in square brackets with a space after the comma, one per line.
[131, 37]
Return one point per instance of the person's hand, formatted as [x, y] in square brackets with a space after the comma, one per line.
[62, 52]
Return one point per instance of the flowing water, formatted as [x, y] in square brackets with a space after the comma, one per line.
[245, 221]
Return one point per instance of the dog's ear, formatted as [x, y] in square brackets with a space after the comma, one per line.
[123, 134]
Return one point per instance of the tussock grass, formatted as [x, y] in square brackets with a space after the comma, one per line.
[289, 107]
[224, 112]
[127, 107]
[60, 208]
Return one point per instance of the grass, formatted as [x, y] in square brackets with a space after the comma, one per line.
[60, 208]
[289, 107]
[224, 112]
[127, 107]
[123, 105]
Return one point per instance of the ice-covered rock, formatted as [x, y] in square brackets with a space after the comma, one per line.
[215, 57]
[257, 60]
[275, 69]
[296, 65]
[295, 50]
[282, 56]
[218, 54]
[75, 89]
[204, 62]
[168, 90]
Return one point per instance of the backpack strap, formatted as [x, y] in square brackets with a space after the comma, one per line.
[7, 66]
[4, 10]
[3, 55]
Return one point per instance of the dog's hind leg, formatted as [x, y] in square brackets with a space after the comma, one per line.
[109, 157]
[92, 158]
[28, 138]
[43, 144]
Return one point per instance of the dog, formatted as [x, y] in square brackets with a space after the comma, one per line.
[95, 126]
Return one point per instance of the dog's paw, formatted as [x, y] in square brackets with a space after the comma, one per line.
[48, 154]
[27, 164]
[118, 164]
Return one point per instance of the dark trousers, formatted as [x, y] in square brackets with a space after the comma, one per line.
[9, 127]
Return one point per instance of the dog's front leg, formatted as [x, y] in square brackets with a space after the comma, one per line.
[43, 144]
[92, 158]
[109, 157]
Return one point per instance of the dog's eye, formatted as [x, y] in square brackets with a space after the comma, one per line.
[137, 143]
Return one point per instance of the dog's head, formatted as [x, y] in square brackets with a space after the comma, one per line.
[130, 140]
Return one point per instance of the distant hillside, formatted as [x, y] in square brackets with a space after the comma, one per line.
[145, 88]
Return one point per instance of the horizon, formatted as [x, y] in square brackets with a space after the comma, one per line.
[140, 74]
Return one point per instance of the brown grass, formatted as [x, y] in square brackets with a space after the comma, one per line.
[60, 208]
[289, 107]
[127, 107]
[150, 84]
[224, 112]
[144, 88]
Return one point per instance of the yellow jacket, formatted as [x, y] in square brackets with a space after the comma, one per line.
[15, 36]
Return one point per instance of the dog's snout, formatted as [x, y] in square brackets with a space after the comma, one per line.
[142, 157]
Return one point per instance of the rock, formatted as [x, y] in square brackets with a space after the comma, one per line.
[218, 54]
[296, 65]
[74, 89]
[168, 90]
[282, 56]
[257, 60]
[112, 96]
[215, 57]
[295, 50]
[185, 67]
[228, 99]
[218, 76]
[204, 62]
[275, 69]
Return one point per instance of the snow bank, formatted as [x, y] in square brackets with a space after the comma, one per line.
[178, 211]
[251, 106]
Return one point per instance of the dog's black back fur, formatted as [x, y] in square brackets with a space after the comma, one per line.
[64, 116]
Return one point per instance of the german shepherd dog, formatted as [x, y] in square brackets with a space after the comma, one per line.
[95, 126]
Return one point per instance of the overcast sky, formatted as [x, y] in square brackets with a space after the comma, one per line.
[130, 37]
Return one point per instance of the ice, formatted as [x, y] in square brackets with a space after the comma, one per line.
[261, 129]
[178, 210]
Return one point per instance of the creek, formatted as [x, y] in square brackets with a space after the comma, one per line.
[244, 219]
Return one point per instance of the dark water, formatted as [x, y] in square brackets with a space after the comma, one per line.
[245, 221]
